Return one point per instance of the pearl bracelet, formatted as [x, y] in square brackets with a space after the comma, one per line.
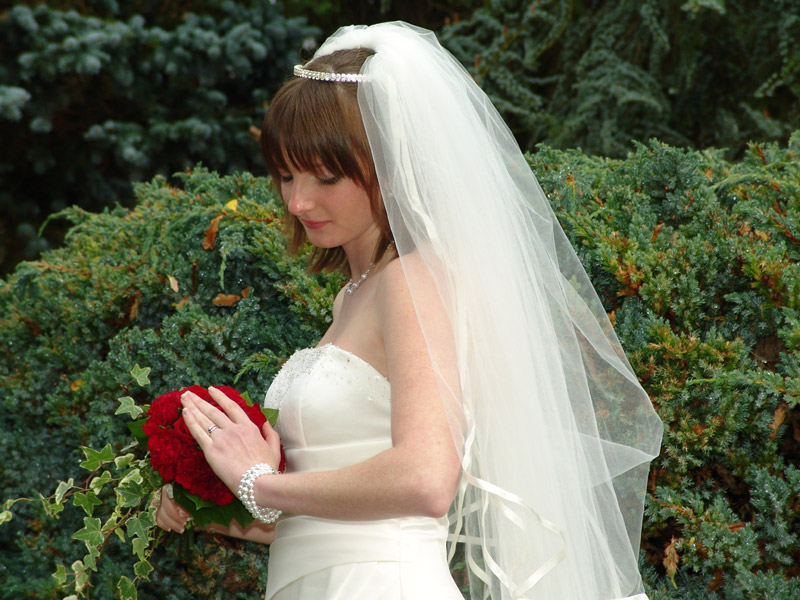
[246, 493]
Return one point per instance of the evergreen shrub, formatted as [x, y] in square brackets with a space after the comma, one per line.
[597, 74]
[694, 256]
[100, 93]
[195, 284]
[697, 262]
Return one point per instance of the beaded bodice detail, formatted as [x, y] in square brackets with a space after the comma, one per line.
[334, 408]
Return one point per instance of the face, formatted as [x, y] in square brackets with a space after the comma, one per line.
[333, 211]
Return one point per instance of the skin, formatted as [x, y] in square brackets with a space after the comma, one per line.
[420, 473]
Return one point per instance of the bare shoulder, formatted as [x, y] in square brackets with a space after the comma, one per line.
[407, 292]
[393, 294]
[397, 273]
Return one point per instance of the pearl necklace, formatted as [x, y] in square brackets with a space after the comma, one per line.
[353, 285]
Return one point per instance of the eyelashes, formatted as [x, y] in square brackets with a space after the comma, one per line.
[322, 180]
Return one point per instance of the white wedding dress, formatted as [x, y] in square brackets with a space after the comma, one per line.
[335, 410]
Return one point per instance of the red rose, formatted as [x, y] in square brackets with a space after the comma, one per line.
[175, 454]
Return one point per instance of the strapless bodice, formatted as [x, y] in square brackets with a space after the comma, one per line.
[334, 409]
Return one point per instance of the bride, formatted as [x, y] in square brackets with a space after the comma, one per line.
[470, 387]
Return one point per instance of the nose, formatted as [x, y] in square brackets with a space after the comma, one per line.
[298, 197]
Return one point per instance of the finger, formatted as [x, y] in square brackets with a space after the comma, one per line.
[199, 429]
[231, 408]
[170, 515]
[271, 436]
[205, 414]
[170, 520]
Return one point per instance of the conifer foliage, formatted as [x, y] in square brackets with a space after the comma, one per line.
[696, 258]
[96, 94]
[597, 74]
[194, 284]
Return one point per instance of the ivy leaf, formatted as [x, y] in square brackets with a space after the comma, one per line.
[130, 494]
[126, 589]
[90, 560]
[81, 574]
[98, 482]
[140, 525]
[90, 533]
[94, 459]
[63, 488]
[142, 569]
[60, 575]
[139, 545]
[86, 501]
[127, 405]
[123, 461]
[141, 375]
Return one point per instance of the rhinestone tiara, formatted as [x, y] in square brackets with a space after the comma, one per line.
[299, 71]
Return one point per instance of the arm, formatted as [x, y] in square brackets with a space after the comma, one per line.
[417, 476]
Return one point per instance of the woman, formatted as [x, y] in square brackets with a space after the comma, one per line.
[468, 358]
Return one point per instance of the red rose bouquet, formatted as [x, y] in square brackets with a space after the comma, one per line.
[178, 459]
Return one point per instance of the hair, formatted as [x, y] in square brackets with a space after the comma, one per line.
[318, 123]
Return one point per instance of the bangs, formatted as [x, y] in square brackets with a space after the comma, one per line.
[308, 128]
[313, 126]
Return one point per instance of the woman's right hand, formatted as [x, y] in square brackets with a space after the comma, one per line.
[170, 516]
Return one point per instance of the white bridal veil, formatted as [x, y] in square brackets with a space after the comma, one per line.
[555, 432]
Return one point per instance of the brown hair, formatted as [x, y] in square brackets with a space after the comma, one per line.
[313, 122]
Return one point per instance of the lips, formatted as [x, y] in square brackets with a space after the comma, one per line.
[314, 224]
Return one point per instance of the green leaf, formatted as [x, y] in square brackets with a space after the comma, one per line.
[128, 406]
[137, 430]
[63, 488]
[140, 525]
[94, 459]
[133, 476]
[123, 461]
[52, 509]
[139, 546]
[90, 533]
[126, 589]
[5, 516]
[120, 533]
[204, 512]
[97, 483]
[86, 501]
[60, 575]
[141, 375]
[271, 414]
[81, 574]
[142, 569]
[90, 560]
[131, 494]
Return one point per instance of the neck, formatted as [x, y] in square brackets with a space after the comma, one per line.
[360, 252]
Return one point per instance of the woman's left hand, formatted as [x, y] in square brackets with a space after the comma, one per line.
[231, 442]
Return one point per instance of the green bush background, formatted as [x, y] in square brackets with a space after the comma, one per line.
[695, 257]
[97, 94]
[693, 251]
